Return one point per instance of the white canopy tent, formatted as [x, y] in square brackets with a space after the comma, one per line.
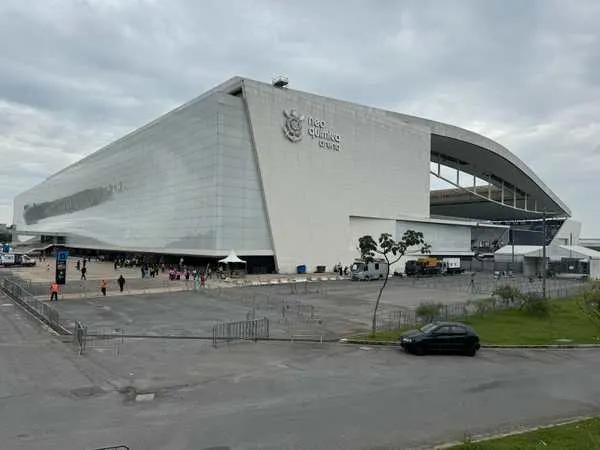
[232, 258]
[231, 261]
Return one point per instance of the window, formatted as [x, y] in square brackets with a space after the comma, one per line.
[443, 330]
[376, 266]
[458, 330]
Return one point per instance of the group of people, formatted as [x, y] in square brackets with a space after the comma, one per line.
[55, 288]
[341, 270]
[81, 268]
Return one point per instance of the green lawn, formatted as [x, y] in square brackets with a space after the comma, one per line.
[514, 327]
[584, 435]
[565, 321]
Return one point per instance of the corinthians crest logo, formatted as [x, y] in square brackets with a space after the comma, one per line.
[292, 127]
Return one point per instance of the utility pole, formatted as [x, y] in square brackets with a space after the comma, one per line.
[544, 270]
[512, 243]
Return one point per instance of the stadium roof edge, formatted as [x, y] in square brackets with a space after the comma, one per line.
[471, 142]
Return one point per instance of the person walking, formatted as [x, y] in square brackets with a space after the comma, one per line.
[83, 272]
[103, 287]
[121, 282]
[54, 292]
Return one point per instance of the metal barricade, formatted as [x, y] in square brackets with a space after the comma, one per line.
[241, 330]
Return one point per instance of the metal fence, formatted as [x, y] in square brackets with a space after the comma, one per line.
[482, 286]
[118, 447]
[17, 289]
[402, 317]
[83, 339]
[79, 337]
[242, 330]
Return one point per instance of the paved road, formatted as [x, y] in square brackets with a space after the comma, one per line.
[273, 396]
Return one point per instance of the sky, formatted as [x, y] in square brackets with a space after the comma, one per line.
[77, 74]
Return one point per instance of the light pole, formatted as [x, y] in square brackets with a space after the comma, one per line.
[544, 255]
[512, 243]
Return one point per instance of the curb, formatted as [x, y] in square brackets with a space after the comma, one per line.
[491, 346]
[522, 430]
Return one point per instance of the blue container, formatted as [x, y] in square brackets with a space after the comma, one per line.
[301, 269]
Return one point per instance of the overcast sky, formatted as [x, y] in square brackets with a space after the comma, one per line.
[75, 75]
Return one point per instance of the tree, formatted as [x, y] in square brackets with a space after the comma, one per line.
[391, 251]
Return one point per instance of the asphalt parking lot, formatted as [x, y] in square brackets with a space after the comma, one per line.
[335, 308]
[310, 310]
[273, 395]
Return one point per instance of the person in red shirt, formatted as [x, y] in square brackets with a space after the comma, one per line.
[54, 291]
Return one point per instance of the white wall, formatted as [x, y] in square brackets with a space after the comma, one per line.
[185, 183]
[442, 238]
[381, 170]
[595, 269]
[568, 234]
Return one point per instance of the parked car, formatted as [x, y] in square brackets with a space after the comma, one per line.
[441, 337]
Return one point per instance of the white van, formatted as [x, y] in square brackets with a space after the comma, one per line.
[363, 271]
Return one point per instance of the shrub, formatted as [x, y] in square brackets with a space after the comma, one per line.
[484, 306]
[428, 311]
[590, 303]
[535, 305]
[508, 294]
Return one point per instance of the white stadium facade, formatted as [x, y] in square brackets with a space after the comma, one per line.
[287, 178]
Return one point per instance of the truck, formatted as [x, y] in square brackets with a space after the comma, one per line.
[433, 266]
[451, 266]
[371, 270]
[16, 259]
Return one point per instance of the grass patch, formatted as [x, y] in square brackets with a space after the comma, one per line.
[515, 327]
[583, 435]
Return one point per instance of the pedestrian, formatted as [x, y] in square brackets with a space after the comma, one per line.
[103, 287]
[143, 272]
[83, 272]
[116, 264]
[121, 282]
[54, 291]
[202, 280]
[78, 265]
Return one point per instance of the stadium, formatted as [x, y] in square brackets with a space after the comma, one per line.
[287, 178]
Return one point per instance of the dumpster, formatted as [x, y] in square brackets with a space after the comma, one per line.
[301, 268]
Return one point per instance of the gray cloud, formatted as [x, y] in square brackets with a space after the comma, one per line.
[75, 75]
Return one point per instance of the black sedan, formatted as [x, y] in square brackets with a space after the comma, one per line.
[441, 337]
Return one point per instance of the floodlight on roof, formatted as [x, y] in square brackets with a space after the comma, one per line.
[280, 81]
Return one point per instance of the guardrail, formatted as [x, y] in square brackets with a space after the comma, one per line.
[79, 337]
